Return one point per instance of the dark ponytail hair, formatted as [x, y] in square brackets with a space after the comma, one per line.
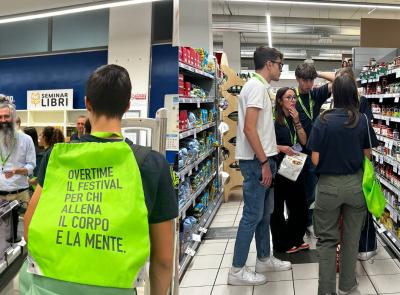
[345, 96]
[279, 114]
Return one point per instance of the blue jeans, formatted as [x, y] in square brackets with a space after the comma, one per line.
[310, 182]
[258, 207]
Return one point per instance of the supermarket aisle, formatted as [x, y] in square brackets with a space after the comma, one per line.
[208, 271]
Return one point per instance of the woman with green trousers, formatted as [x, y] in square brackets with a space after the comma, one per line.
[339, 140]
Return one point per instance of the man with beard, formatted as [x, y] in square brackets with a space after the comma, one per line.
[17, 161]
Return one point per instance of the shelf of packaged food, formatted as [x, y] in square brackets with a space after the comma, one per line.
[385, 158]
[389, 72]
[389, 237]
[204, 223]
[195, 100]
[188, 169]
[386, 139]
[196, 130]
[387, 183]
[383, 95]
[195, 70]
[192, 198]
[387, 118]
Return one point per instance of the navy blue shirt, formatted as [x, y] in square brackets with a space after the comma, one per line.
[319, 96]
[340, 148]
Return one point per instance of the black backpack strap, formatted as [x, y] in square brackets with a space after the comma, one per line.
[140, 153]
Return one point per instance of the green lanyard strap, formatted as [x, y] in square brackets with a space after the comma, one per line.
[4, 160]
[260, 78]
[107, 134]
[293, 138]
[309, 114]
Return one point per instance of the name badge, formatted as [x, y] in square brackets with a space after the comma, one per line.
[297, 147]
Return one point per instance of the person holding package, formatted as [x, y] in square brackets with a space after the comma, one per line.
[287, 236]
[338, 141]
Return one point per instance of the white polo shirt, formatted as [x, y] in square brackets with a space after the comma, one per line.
[255, 94]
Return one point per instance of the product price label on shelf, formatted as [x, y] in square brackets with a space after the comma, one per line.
[394, 168]
[196, 238]
[194, 202]
[381, 159]
[381, 229]
[183, 215]
[396, 99]
[390, 144]
[203, 230]
[381, 99]
[198, 104]
[196, 167]
[190, 252]
[387, 121]
[190, 172]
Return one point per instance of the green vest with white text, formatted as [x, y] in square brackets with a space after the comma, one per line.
[90, 225]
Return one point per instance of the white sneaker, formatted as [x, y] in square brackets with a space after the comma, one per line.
[364, 256]
[246, 277]
[351, 290]
[272, 264]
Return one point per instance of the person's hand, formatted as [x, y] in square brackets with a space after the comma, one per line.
[288, 150]
[294, 114]
[9, 173]
[266, 175]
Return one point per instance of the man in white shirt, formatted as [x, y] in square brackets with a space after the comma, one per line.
[256, 149]
[17, 160]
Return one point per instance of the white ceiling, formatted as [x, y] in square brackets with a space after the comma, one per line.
[299, 30]
[10, 7]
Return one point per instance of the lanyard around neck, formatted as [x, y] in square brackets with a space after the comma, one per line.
[260, 78]
[4, 160]
[293, 138]
[105, 135]
[310, 114]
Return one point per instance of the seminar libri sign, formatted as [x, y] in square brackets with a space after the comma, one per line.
[57, 99]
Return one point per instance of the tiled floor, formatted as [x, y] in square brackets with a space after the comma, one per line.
[208, 272]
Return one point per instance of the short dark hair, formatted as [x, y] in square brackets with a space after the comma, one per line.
[264, 54]
[52, 135]
[306, 71]
[31, 131]
[108, 90]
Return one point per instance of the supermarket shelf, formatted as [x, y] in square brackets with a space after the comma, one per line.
[194, 165]
[193, 197]
[205, 222]
[195, 100]
[195, 130]
[394, 71]
[389, 237]
[195, 71]
[384, 95]
[387, 118]
[386, 183]
[384, 158]
[386, 139]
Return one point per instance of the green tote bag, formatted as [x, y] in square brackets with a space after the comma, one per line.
[371, 186]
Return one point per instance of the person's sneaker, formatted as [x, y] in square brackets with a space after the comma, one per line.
[272, 264]
[364, 256]
[293, 250]
[304, 246]
[245, 277]
[349, 291]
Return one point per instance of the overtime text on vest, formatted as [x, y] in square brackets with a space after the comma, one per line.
[86, 190]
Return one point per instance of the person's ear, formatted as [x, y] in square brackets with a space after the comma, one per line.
[88, 104]
[128, 108]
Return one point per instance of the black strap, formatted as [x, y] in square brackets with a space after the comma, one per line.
[140, 153]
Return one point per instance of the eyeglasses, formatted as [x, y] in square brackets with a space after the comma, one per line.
[281, 64]
[291, 98]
